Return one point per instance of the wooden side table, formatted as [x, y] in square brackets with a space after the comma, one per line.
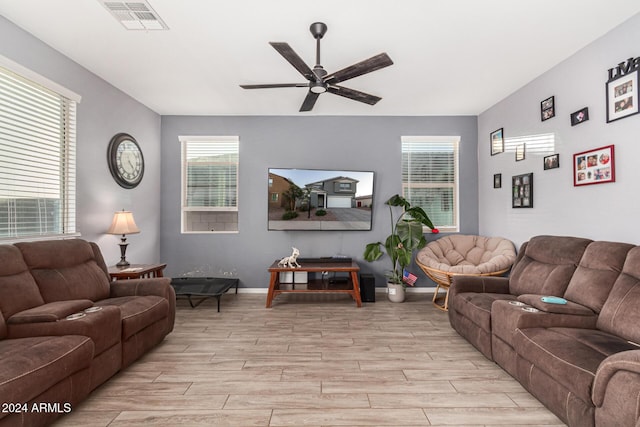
[137, 271]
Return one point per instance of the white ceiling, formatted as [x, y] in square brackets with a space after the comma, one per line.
[453, 57]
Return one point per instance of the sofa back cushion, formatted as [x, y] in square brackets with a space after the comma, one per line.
[66, 269]
[598, 270]
[620, 315]
[547, 265]
[18, 289]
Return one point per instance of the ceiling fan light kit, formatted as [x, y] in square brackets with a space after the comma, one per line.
[319, 81]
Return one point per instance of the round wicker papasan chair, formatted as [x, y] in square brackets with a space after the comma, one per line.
[467, 255]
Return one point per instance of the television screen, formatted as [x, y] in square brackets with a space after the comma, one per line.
[316, 199]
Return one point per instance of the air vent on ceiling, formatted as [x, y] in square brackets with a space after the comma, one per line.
[135, 15]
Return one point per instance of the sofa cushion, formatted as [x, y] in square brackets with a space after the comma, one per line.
[66, 269]
[569, 355]
[28, 366]
[598, 270]
[620, 314]
[547, 265]
[18, 289]
[468, 254]
[138, 312]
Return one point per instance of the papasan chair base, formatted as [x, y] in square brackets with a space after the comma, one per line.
[463, 255]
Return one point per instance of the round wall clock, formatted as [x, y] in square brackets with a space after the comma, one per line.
[125, 160]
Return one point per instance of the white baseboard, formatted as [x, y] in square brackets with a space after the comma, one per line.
[378, 290]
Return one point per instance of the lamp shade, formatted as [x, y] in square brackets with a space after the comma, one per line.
[123, 223]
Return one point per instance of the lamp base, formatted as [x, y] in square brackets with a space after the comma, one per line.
[123, 263]
[123, 249]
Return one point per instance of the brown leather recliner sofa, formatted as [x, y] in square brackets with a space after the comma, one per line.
[580, 359]
[66, 328]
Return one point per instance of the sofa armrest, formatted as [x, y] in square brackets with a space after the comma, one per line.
[50, 312]
[568, 308]
[507, 318]
[627, 361]
[158, 286]
[480, 284]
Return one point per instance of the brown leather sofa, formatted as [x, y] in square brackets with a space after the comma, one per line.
[580, 359]
[66, 328]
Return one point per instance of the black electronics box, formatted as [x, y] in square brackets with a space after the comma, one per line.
[367, 288]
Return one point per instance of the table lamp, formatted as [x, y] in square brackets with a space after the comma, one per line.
[123, 223]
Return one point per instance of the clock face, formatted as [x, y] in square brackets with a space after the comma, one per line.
[125, 159]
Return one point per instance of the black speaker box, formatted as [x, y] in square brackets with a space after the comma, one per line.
[367, 288]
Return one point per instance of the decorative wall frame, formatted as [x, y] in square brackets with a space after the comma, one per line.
[522, 191]
[595, 166]
[497, 141]
[552, 161]
[548, 108]
[622, 96]
[580, 116]
[520, 152]
[497, 180]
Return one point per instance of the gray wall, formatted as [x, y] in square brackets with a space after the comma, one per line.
[349, 143]
[103, 112]
[606, 211]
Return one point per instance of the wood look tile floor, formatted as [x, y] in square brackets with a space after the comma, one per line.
[311, 360]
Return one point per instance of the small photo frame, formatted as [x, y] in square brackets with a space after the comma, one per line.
[580, 116]
[552, 161]
[520, 152]
[497, 180]
[497, 141]
[622, 97]
[522, 191]
[595, 166]
[548, 108]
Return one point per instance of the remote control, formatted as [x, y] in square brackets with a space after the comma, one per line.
[554, 300]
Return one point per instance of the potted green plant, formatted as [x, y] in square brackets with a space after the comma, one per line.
[406, 236]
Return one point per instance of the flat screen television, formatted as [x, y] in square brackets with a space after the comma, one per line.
[320, 199]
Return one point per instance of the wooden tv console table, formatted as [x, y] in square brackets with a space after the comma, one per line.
[350, 286]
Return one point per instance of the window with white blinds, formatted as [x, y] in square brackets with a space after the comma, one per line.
[210, 184]
[37, 160]
[430, 177]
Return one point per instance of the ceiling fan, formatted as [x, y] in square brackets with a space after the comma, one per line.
[318, 79]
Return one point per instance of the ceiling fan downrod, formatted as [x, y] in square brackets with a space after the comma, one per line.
[318, 30]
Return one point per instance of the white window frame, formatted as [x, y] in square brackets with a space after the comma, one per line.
[455, 142]
[16, 131]
[184, 140]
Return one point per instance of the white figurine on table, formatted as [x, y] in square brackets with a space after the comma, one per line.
[290, 261]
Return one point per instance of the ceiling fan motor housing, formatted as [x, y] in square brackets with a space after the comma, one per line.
[318, 29]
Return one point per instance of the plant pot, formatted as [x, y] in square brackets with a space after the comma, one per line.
[395, 292]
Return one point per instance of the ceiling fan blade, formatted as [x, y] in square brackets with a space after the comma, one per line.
[274, 85]
[309, 101]
[356, 95]
[363, 67]
[292, 57]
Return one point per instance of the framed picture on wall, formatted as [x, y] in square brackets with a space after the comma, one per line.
[622, 97]
[520, 151]
[497, 141]
[497, 180]
[552, 161]
[595, 166]
[522, 191]
[580, 116]
[548, 108]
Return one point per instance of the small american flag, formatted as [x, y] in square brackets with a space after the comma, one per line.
[409, 278]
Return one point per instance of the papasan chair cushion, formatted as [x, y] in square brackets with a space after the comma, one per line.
[460, 254]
